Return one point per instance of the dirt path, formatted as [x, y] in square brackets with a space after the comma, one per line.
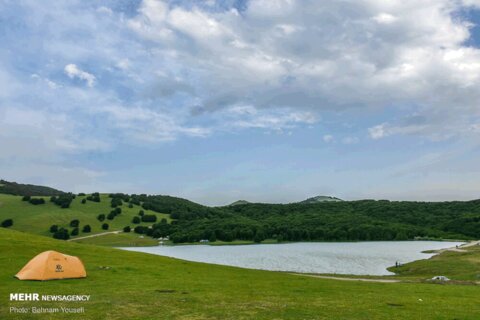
[460, 247]
[349, 279]
[96, 235]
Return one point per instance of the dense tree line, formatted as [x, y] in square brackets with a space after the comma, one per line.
[19, 189]
[328, 221]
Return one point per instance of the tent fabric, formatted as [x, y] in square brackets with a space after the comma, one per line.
[50, 265]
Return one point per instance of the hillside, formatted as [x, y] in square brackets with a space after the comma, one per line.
[143, 286]
[239, 202]
[20, 189]
[37, 219]
[318, 199]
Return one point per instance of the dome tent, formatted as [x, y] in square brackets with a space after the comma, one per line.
[50, 265]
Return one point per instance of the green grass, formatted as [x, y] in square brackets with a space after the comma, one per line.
[38, 219]
[120, 240]
[143, 286]
[461, 266]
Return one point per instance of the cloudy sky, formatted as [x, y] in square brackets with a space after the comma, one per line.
[264, 100]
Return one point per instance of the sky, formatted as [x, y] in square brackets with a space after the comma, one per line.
[262, 100]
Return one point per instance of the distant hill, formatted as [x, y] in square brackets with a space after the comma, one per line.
[238, 202]
[318, 199]
[20, 189]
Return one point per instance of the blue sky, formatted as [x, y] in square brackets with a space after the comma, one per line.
[269, 101]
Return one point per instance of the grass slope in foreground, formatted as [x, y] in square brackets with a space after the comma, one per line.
[38, 219]
[142, 286]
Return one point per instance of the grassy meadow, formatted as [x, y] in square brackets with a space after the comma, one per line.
[143, 286]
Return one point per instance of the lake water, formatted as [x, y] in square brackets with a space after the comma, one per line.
[361, 258]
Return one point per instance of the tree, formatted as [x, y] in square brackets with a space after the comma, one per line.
[84, 201]
[141, 213]
[101, 217]
[61, 234]
[37, 201]
[136, 220]
[126, 229]
[26, 198]
[74, 223]
[130, 205]
[53, 228]
[111, 215]
[7, 223]
[81, 194]
[149, 218]
[116, 202]
[74, 232]
[105, 226]
[86, 228]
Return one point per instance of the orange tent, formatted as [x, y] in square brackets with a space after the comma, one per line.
[51, 265]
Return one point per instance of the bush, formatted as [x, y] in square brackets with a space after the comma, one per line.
[53, 199]
[136, 220]
[95, 197]
[74, 223]
[111, 215]
[7, 223]
[81, 194]
[149, 218]
[84, 201]
[63, 200]
[74, 232]
[141, 213]
[26, 198]
[126, 229]
[101, 217]
[117, 211]
[53, 228]
[116, 202]
[105, 226]
[37, 201]
[61, 234]
[140, 229]
[86, 228]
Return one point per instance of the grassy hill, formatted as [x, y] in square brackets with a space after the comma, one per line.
[37, 219]
[142, 286]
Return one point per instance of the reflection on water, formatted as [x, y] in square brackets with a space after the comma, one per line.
[366, 258]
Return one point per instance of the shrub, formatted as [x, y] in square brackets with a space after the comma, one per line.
[136, 220]
[7, 223]
[63, 200]
[126, 229]
[53, 199]
[61, 234]
[95, 197]
[117, 211]
[81, 194]
[53, 228]
[105, 226]
[116, 202]
[101, 217]
[26, 198]
[37, 201]
[111, 215]
[84, 201]
[141, 213]
[140, 229]
[74, 232]
[74, 223]
[149, 218]
[86, 228]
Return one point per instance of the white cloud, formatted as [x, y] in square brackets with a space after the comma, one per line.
[72, 71]
[384, 18]
[328, 138]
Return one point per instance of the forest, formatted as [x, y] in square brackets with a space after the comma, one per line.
[328, 221]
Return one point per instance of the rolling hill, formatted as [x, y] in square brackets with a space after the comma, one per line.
[20, 189]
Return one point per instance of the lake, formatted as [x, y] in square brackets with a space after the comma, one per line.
[360, 258]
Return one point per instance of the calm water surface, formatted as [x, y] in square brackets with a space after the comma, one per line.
[362, 258]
